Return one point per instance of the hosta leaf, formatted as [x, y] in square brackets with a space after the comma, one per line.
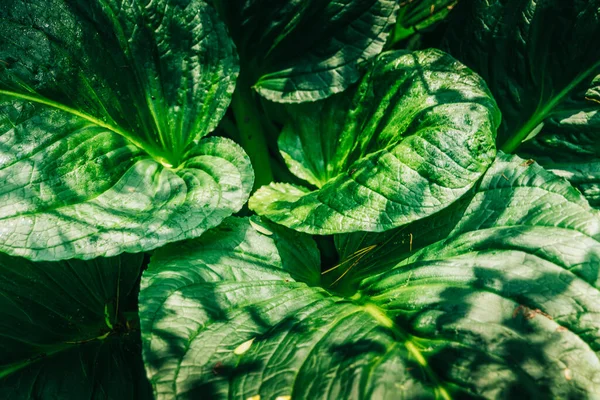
[304, 50]
[498, 299]
[410, 139]
[542, 63]
[62, 330]
[103, 106]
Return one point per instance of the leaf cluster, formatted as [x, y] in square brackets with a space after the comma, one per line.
[299, 199]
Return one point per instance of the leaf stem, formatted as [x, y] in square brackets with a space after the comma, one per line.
[230, 129]
[252, 136]
[399, 32]
[542, 113]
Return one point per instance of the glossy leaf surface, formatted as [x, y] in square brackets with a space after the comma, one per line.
[409, 140]
[103, 107]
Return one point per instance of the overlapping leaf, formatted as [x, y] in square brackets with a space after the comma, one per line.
[568, 144]
[63, 333]
[181, 296]
[408, 141]
[294, 51]
[103, 106]
[542, 63]
[497, 296]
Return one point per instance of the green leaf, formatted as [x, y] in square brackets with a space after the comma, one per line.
[111, 369]
[63, 334]
[296, 51]
[542, 63]
[498, 299]
[239, 250]
[103, 107]
[568, 143]
[409, 140]
[539, 58]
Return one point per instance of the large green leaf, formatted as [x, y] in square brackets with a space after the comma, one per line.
[409, 140]
[181, 281]
[541, 60]
[495, 297]
[304, 50]
[63, 334]
[103, 106]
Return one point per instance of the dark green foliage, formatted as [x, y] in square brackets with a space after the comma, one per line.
[438, 268]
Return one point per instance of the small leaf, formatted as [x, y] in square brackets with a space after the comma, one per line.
[260, 228]
[417, 16]
[295, 51]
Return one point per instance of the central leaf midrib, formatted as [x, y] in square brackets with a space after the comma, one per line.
[157, 156]
[15, 367]
[404, 337]
[41, 356]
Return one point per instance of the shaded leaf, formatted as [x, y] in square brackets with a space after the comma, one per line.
[416, 16]
[498, 299]
[63, 333]
[568, 146]
[542, 63]
[295, 51]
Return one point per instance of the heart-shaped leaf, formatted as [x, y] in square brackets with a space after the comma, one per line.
[496, 297]
[409, 140]
[103, 106]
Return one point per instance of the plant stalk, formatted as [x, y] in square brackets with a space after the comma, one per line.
[513, 142]
[251, 132]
